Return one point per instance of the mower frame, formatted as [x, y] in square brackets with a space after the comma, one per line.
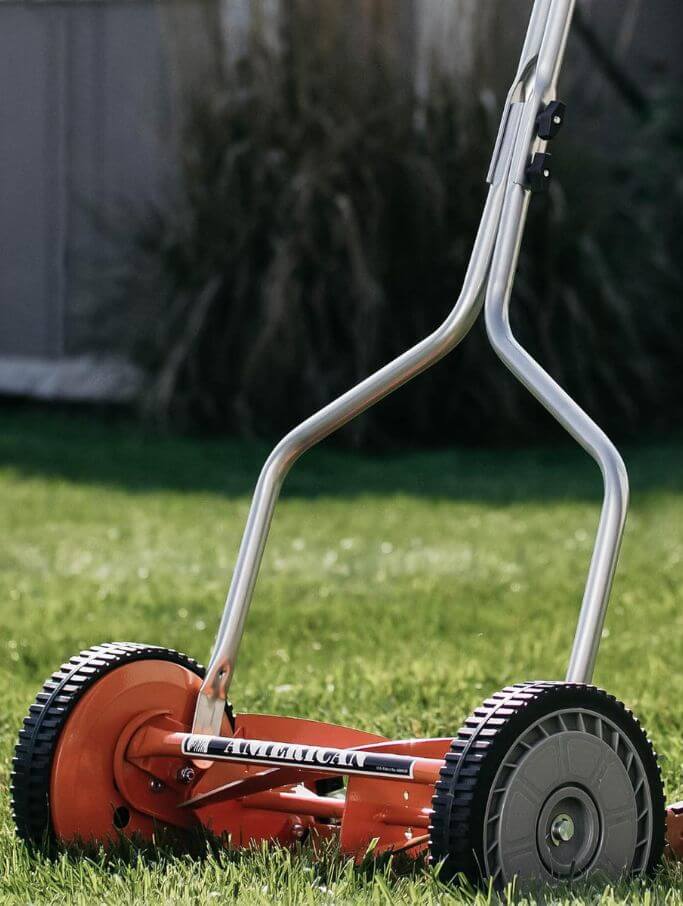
[488, 281]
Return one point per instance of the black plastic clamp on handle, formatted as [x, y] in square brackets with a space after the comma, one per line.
[550, 120]
[538, 172]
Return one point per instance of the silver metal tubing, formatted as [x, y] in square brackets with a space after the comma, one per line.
[494, 259]
[565, 410]
[570, 415]
[337, 413]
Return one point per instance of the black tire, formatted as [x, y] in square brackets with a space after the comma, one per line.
[47, 716]
[480, 793]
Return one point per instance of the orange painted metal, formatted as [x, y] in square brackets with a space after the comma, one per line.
[86, 801]
[227, 788]
[307, 803]
[132, 780]
[405, 815]
[301, 730]
[387, 811]
[297, 803]
[414, 843]
[225, 781]
[268, 779]
[252, 803]
[674, 831]
[118, 760]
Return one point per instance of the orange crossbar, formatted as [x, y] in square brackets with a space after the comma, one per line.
[296, 804]
[328, 807]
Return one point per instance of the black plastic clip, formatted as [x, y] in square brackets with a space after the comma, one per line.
[538, 172]
[550, 120]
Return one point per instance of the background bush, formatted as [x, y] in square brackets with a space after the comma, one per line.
[325, 223]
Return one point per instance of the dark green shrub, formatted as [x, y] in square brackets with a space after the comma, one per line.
[325, 222]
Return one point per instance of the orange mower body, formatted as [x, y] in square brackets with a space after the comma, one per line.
[108, 751]
[260, 781]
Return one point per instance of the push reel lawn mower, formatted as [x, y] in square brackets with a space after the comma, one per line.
[546, 781]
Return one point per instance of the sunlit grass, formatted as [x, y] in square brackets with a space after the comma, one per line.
[395, 594]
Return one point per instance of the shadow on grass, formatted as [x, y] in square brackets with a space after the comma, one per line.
[200, 845]
[325, 866]
[82, 447]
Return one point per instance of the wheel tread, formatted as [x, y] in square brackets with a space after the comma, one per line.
[450, 829]
[47, 715]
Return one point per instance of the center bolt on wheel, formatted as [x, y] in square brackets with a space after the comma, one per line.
[562, 830]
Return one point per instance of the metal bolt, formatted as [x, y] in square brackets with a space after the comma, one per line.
[186, 774]
[562, 829]
[298, 831]
[156, 785]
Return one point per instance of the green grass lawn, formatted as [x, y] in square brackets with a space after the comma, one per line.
[395, 594]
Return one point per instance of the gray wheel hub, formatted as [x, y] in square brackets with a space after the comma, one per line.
[568, 831]
[569, 798]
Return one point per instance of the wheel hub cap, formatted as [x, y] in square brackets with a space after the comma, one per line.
[568, 831]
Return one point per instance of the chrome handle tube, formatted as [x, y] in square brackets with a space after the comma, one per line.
[337, 413]
[492, 265]
[560, 405]
[570, 415]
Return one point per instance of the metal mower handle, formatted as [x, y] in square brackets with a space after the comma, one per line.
[491, 268]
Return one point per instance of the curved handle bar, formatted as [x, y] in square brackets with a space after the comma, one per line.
[492, 266]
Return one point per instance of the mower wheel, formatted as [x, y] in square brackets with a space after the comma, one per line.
[57, 735]
[548, 782]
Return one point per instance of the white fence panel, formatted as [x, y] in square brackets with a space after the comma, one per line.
[84, 103]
